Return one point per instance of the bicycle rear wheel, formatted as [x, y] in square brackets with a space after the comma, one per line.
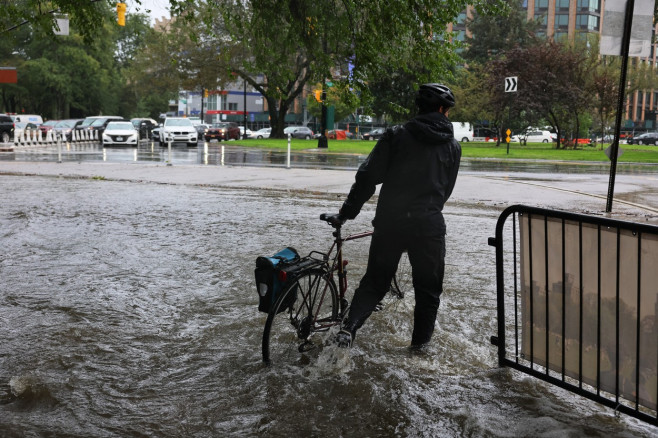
[307, 306]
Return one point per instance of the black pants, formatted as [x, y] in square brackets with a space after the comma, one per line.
[427, 259]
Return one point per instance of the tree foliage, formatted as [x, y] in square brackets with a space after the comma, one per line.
[293, 43]
[85, 16]
[70, 76]
[493, 34]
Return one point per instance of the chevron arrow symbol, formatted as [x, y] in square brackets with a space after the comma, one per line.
[510, 84]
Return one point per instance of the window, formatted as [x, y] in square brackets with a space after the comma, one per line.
[588, 22]
[212, 102]
[461, 18]
[561, 5]
[541, 5]
[589, 5]
[232, 106]
[561, 20]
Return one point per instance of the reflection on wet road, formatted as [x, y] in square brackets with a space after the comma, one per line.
[129, 309]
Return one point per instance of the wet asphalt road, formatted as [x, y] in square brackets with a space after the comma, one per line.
[128, 308]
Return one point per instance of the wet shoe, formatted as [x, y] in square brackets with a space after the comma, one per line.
[344, 339]
[419, 349]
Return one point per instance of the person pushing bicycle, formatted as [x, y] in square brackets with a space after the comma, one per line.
[417, 165]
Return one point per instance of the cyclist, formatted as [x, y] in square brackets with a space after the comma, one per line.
[417, 165]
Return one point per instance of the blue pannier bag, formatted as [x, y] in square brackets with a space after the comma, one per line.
[269, 282]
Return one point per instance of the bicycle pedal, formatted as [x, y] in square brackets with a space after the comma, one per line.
[306, 346]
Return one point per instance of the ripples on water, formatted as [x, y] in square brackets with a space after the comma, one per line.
[129, 310]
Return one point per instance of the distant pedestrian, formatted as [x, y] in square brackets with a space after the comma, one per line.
[417, 165]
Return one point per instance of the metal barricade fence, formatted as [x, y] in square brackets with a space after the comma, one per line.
[577, 301]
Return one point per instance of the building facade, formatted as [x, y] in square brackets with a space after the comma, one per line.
[573, 20]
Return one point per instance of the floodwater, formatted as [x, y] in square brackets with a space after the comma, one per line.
[129, 309]
[225, 153]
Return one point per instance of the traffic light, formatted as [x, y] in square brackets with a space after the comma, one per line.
[121, 14]
[205, 93]
[318, 95]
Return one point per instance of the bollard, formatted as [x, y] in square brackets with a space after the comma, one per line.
[59, 150]
[221, 161]
[288, 158]
[169, 149]
[205, 152]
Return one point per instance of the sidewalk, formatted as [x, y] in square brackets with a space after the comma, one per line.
[636, 196]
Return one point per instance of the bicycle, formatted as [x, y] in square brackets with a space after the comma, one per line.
[312, 303]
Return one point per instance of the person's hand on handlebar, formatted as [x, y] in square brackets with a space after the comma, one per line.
[335, 220]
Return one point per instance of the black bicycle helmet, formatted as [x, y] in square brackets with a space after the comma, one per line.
[432, 96]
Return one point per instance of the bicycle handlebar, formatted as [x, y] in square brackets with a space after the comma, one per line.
[336, 220]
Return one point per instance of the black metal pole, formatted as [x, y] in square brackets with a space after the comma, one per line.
[203, 94]
[322, 141]
[244, 112]
[614, 149]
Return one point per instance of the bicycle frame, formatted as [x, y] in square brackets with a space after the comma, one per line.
[337, 264]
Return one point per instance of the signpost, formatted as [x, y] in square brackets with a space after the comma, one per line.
[511, 84]
[617, 40]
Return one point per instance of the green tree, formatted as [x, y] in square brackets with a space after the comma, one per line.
[296, 42]
[492, 35]
[86, 16]
[71, 76]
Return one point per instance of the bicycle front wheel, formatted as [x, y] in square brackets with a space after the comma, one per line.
[307, 306]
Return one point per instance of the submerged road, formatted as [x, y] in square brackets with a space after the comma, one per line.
[636, 195]
[128, 308]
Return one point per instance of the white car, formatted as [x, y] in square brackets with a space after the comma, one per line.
[538, 137]
[120, 134]
[178, 130]
[261, 133]
[242, 132]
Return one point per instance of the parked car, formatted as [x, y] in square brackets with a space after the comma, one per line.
[47, 126]
[64, 128]
[243, 133]
[201, 129]
[25, 127]
[261, 133]
[145, 126]
[374, 134]
[6, 129]
[27, 118]
[646, 138]
[155, 133]
[97, 123]
[120, 134]
[299, 132]
[462, 131]
[223, 131]
[178, 130]
[538, 137]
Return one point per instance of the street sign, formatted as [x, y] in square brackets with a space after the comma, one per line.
[608, 152]
[508, 132]
[8, 75]
[511, 84]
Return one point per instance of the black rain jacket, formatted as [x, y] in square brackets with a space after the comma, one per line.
[417, 166]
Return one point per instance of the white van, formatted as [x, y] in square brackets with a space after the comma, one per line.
[30, 118]
[462, 131]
